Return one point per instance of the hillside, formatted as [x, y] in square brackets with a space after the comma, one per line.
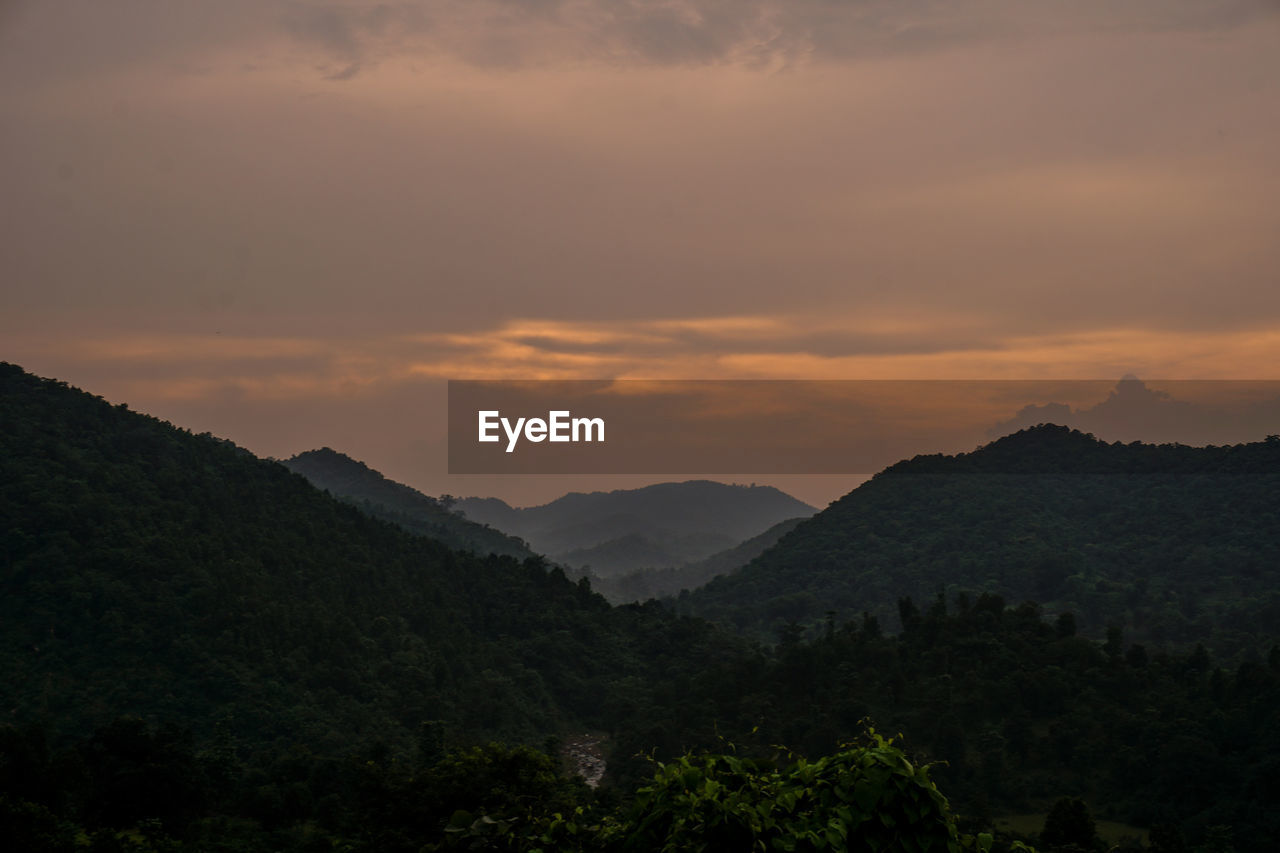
[357, 483]
[202, 651]
[1182, 543]
[663, 525]
[147, 571]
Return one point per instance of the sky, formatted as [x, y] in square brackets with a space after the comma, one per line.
[289, 223]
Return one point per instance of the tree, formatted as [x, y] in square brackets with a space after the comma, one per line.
[867, 796]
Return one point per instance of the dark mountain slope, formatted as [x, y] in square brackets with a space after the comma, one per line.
[145, 570]
[368, 489]
[1181, 542]
[618, 531]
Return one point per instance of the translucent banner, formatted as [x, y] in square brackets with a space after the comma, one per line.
[681, 427]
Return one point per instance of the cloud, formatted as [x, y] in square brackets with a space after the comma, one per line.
[352, 35]
[727, 347]
[945, 190]
[754, 32]
[347, 73]
[1192, 412]
[53, 37]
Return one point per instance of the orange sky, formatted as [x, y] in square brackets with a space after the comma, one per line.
[289, 222]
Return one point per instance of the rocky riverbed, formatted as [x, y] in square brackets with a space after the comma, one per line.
[584, 755]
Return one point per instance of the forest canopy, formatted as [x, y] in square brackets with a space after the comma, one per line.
[200, 650]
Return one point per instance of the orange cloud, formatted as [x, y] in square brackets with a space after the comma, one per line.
[731, 347]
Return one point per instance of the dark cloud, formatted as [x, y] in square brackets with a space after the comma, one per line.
[1192, 412]
[54, 37]
[354, 36]
[336, 30]
[757, 31]
[655, 339]
[344, 73]
[664, 34]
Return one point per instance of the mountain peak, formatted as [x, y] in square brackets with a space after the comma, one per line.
[326, 454]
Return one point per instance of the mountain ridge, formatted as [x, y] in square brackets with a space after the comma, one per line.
[685, 521]
[354, 481]
[1111, 532]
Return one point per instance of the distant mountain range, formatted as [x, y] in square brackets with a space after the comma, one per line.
[651, 558]
[644, 584]
[1181, 542]
[659, 526]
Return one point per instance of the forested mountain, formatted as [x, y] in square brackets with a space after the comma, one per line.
[176, 577]
[1180, 543]
[663, 525]
[644, 584]
[357, 483]
[201, 651]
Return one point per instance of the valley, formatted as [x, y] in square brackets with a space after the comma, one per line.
[202, 650]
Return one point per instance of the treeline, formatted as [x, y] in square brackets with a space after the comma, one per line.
[1022, 710]
[1022, 714]
[131, 788]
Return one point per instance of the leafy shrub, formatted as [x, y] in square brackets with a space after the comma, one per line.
[868, 796]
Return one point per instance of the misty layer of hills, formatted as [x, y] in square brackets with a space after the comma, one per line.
[199, 650]
[657, 558]
[644, 584]
[661, 526]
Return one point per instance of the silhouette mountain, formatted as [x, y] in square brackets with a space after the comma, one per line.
[150, 572]
[1183, 542]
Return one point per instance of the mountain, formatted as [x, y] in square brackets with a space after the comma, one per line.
[357, 483]
[199, 650]
[1181, 542]
[147, 571]
[656, 583]
[667, 524]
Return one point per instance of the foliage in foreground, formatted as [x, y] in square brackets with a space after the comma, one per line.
[868, 796]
